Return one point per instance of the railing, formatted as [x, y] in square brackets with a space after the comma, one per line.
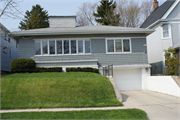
[108, 71]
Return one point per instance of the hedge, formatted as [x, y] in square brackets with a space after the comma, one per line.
[51, 69]
[87, 69]
[22, 65]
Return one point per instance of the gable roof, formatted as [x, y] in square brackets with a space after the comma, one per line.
[157, 13]
[81, 30]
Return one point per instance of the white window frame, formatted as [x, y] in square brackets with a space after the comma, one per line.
[169, 30]
[122, 39]
[62, 39]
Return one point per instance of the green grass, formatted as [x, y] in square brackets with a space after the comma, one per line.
[100, 114]
[56, 90]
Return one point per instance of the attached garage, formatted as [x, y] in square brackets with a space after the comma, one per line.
[128, 79]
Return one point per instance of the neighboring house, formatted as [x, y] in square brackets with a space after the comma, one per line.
[9, 49]
[165, 20]
[65, 45]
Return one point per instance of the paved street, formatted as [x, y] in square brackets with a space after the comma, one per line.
[157, 106]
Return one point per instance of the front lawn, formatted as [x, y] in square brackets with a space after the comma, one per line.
[100, 114]
[56, 90]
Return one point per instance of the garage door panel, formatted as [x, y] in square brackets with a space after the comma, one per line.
[128, 79]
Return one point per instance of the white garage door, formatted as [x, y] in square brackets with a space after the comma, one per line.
[127, 79]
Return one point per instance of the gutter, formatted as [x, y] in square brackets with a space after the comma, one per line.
[80, 33]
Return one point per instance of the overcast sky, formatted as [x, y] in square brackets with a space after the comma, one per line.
[54, 7]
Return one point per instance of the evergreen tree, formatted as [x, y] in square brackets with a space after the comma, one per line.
[36, 18]
[106, 13]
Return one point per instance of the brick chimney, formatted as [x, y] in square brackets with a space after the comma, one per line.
[155, 4]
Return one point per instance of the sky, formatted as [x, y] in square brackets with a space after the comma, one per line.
[54, 7]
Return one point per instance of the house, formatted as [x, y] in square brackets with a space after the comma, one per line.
[64, 44]
[165, 20]
[9, 49]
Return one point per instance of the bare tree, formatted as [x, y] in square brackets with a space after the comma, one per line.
[84, 16]
[146, 8]
[9, 8]
[129, 11]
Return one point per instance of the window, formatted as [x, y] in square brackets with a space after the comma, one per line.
[5, 49]
[62, 47]
[118, 46]
[59, 46]
[45, 47]
[37, 47]
[126, 45]
[80, 46]
[165, 31]
[73, 46]
[52, 46]
[87, 46]
[10, 52]
[110, 45]
[66, 46]
[9, 39]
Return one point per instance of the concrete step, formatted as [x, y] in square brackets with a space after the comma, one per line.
[176, 79]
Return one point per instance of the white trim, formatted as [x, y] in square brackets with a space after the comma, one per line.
[170, 9]
[122, 39]
[82, 66]
[94, 60]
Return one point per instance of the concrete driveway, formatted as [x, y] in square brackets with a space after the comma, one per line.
[157, 106]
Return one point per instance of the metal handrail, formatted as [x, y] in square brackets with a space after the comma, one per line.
[108, 70]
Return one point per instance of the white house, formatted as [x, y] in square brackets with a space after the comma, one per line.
[165, 20]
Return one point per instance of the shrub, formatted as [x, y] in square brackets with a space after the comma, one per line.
[22, 65]
[171, 61]
[87, 69]
[51, 69]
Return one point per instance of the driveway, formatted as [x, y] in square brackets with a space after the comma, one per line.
[157, 106]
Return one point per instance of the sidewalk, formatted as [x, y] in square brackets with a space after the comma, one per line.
[64, 109]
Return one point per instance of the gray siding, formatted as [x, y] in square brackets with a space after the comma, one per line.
[103, 59]
[98, 46]
[137, 45]
[175, 34]
[175, 13]
[26, 48]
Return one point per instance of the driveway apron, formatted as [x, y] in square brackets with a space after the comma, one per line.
[158, 106]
